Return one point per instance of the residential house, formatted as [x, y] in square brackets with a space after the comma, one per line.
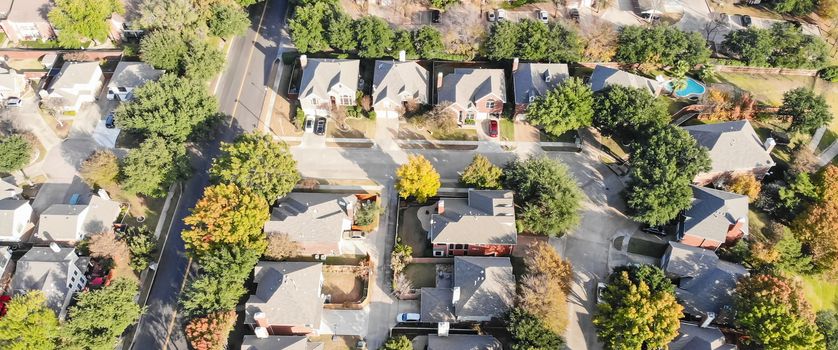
[735, 149]
[533, 80]
[12, 83]
[279, 342]
[715, 218]
[288, 299]
[463, 342]
[129, 76]
[77, 83]
[72, 222]
[7, 266]
[327, 84]
[604, 77]
[316, 221]
[397, 83]
[482, 224]
[472, 94]
[705, 284]
[25, 20]
[58, 272]
[15, 216]
[483, 289]
[695, 337]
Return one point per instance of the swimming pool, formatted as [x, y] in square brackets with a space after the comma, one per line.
[693, 89]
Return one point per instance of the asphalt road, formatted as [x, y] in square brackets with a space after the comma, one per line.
[241, 92]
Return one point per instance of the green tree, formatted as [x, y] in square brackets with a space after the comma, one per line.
[775, 314]
[530, 333]
[340, 34]
[807, 110]
[621, 110]
[203, 61]
[565, 44]
[246, 3]
[15, 153]
[663, 167]
[752, 45]
[208, 294]
[442, 4]
[100, 317]
[142, 244]
[417, 178]
[257, 162]
[227, 20]
[795, 7]
[171, 107]
[567, 107]
[375, 38]
[163, 49]
[533, 40]
[548, 197]
[783, 45]
[827, 322]
[226, 214]
[791, 255]
[167, 160]
[502, 42]
[77, 21]
[175, 15]
[397, 343]
[367, 213]
[635, 314]
[29, 324]
[800, 188]
[403, 41]
[307, 29]
[101, 169]
[481, 174]
[429, 43]
[660, 45]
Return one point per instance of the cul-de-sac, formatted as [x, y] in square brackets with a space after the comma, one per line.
[419, 174]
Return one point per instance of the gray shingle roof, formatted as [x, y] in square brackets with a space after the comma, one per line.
[467, 85]
[73, 73]
[8, 208]
[604, 77]
[60, 222]
[42, 269]
[24, 11]
[436, 305]
[713, 212]
[274, 342]
[101, 214]
[394, 79]
[5, 257]
[320, 75]
[531, 79]
[311, 217]
[486, 217]
[487, 286]
[133, 74]
[707, 284]
[732, 146]
[288, 293]
[463, 342]
[693, 337]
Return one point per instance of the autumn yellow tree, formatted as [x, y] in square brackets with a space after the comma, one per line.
[746, 185]
[544, 289]
[227, 214]
[417, 178]
[817, 226]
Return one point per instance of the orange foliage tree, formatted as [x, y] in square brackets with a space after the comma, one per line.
[726, 106]
[210, 332]
[817, 227]
[746, 185]
[227, 215]
[544, 289]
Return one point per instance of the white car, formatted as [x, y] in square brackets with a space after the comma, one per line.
[501, 14]
[14, 102]
[407, 317]
[542, 16]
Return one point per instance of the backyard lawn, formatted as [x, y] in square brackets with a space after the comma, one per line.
[507, 130]
[342, 286]
[411, 232]
[422, 275]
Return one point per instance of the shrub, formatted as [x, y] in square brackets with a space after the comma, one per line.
[829, 73]
[366, 214]
[280, 246]
[15, 152]
[142, 244]
[100, 169]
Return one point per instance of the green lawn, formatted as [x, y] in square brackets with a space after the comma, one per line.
[507, 129]
[411, 233]
[422, 275]
[821, 293]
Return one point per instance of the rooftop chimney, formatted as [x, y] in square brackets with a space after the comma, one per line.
[54, 246]
[303, 61]
[261, 321]
[442, 329]
[769, 144]
[705, 321]
[515, 64]
[439, 80]
[261, 332]
[402, 56]
[440, 207]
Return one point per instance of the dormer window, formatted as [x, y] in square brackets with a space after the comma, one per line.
[490, 104]
[532, 98]
[547, 77]
[314, 101]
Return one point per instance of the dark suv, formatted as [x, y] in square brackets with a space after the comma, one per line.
[320, 126]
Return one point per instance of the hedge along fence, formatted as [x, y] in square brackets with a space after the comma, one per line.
[766, 70]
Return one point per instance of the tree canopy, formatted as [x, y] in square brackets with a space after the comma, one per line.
[78, 21]
[817, 226]
[227, 20]
[101, 169]
[173, 15]
[783, 45]
[661, 46]
[796, 7]
[543, 290]
[639, 310]
[530, 333]
[375, 38]
[15, 153]
[171, 107]
[807, 110]
[226, 214]
[533, 40]
[340, 33]
[100, 317]
[168, 161]
[210, 332]
[257, 162]
[307, 27]
[567, 107]
[397, 343]
[163, 49]
[481, 174]
[547, 195]
[29, 324]
[827, 322]
[620, 111]
[417, 178]
[429, 43]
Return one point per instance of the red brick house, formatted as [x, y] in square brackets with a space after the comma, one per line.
[473, 94]
[481, 225]
[716, 218]
[734, 149]
[288, 298]
[533, 80]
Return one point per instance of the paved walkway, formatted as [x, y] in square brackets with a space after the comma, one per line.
[828, 154]
[816, 139]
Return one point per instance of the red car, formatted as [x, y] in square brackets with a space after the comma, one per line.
[493, 128]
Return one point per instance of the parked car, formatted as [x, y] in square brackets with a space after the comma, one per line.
[491, 16]
[600, 288]
[434, 16]
[542, 16]
[14, 102]
[309, 125]
[501, 14]
[573, 14]
[407, 317]
[746, 20]
[109, 121]
[320, 128]
[655, 230]
[493, 128]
